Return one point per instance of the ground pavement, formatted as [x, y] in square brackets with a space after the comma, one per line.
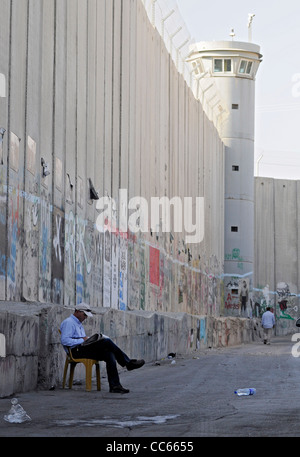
[181, 399]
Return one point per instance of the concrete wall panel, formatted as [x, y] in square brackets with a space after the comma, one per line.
[46, 149]
[33, 157]
[70, 154]
[4, 141]
[16, 150]
[264, 224]
[131, 113]
[58, 155]
[276, 250]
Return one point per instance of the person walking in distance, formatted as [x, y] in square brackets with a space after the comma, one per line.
[267, 322]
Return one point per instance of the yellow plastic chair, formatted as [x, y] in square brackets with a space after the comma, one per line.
[88, 363]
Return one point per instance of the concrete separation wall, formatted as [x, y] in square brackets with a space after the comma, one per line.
[35, 357]
[95, 102]
[276, 278]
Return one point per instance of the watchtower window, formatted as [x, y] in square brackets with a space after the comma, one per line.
[227, 64]
[249, 66]
[235, 168]
[245, 67]
[218, 65]
[222, 65]
[234, 229]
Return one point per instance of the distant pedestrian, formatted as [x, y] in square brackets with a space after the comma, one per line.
[267, 322]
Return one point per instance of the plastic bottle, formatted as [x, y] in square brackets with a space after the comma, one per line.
[247, 391]
[16, 414]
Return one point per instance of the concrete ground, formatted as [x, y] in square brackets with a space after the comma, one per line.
[193, 397]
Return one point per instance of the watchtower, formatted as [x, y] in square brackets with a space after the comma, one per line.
[233, 66]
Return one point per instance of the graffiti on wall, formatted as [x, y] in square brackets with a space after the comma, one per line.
[115, 253]
[133, 274]
[287, 302]
[238, 296]
[107, 269]
[123, 274]
[2, 232]
[201, 332]
[236, 256]
[45, 249]
[231, 295]
[143, 278]
[58, 256]
[12, 251]
[154, 266]
[283, 301]
[76, 261]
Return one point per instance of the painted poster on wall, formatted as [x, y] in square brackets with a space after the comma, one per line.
[114, 271]
[31, 155]
[14, 151]
[107, 269]
[58, 255]
[123, 274]
[154, 266]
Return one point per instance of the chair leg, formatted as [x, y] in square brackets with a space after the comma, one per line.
[65, 373]
[98, 376]
[88, 375]
[71, 377]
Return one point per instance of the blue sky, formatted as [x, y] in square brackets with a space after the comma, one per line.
[276, 28]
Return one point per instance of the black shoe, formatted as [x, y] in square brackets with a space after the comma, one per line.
[133, 364]
[119, 390]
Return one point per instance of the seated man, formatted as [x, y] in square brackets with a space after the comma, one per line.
[73, 335]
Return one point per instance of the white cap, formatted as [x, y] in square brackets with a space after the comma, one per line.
[85, 308]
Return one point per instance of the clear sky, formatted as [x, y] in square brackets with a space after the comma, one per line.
[276, 29]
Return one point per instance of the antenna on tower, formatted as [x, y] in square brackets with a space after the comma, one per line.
[232, 34]
[250, 20]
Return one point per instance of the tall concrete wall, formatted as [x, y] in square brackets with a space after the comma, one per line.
[277, 219]
[93, 92]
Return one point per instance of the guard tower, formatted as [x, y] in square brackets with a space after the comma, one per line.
[233, 66]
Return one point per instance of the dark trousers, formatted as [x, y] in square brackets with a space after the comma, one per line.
[107, 351]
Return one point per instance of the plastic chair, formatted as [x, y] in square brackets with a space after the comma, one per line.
[88, 363]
